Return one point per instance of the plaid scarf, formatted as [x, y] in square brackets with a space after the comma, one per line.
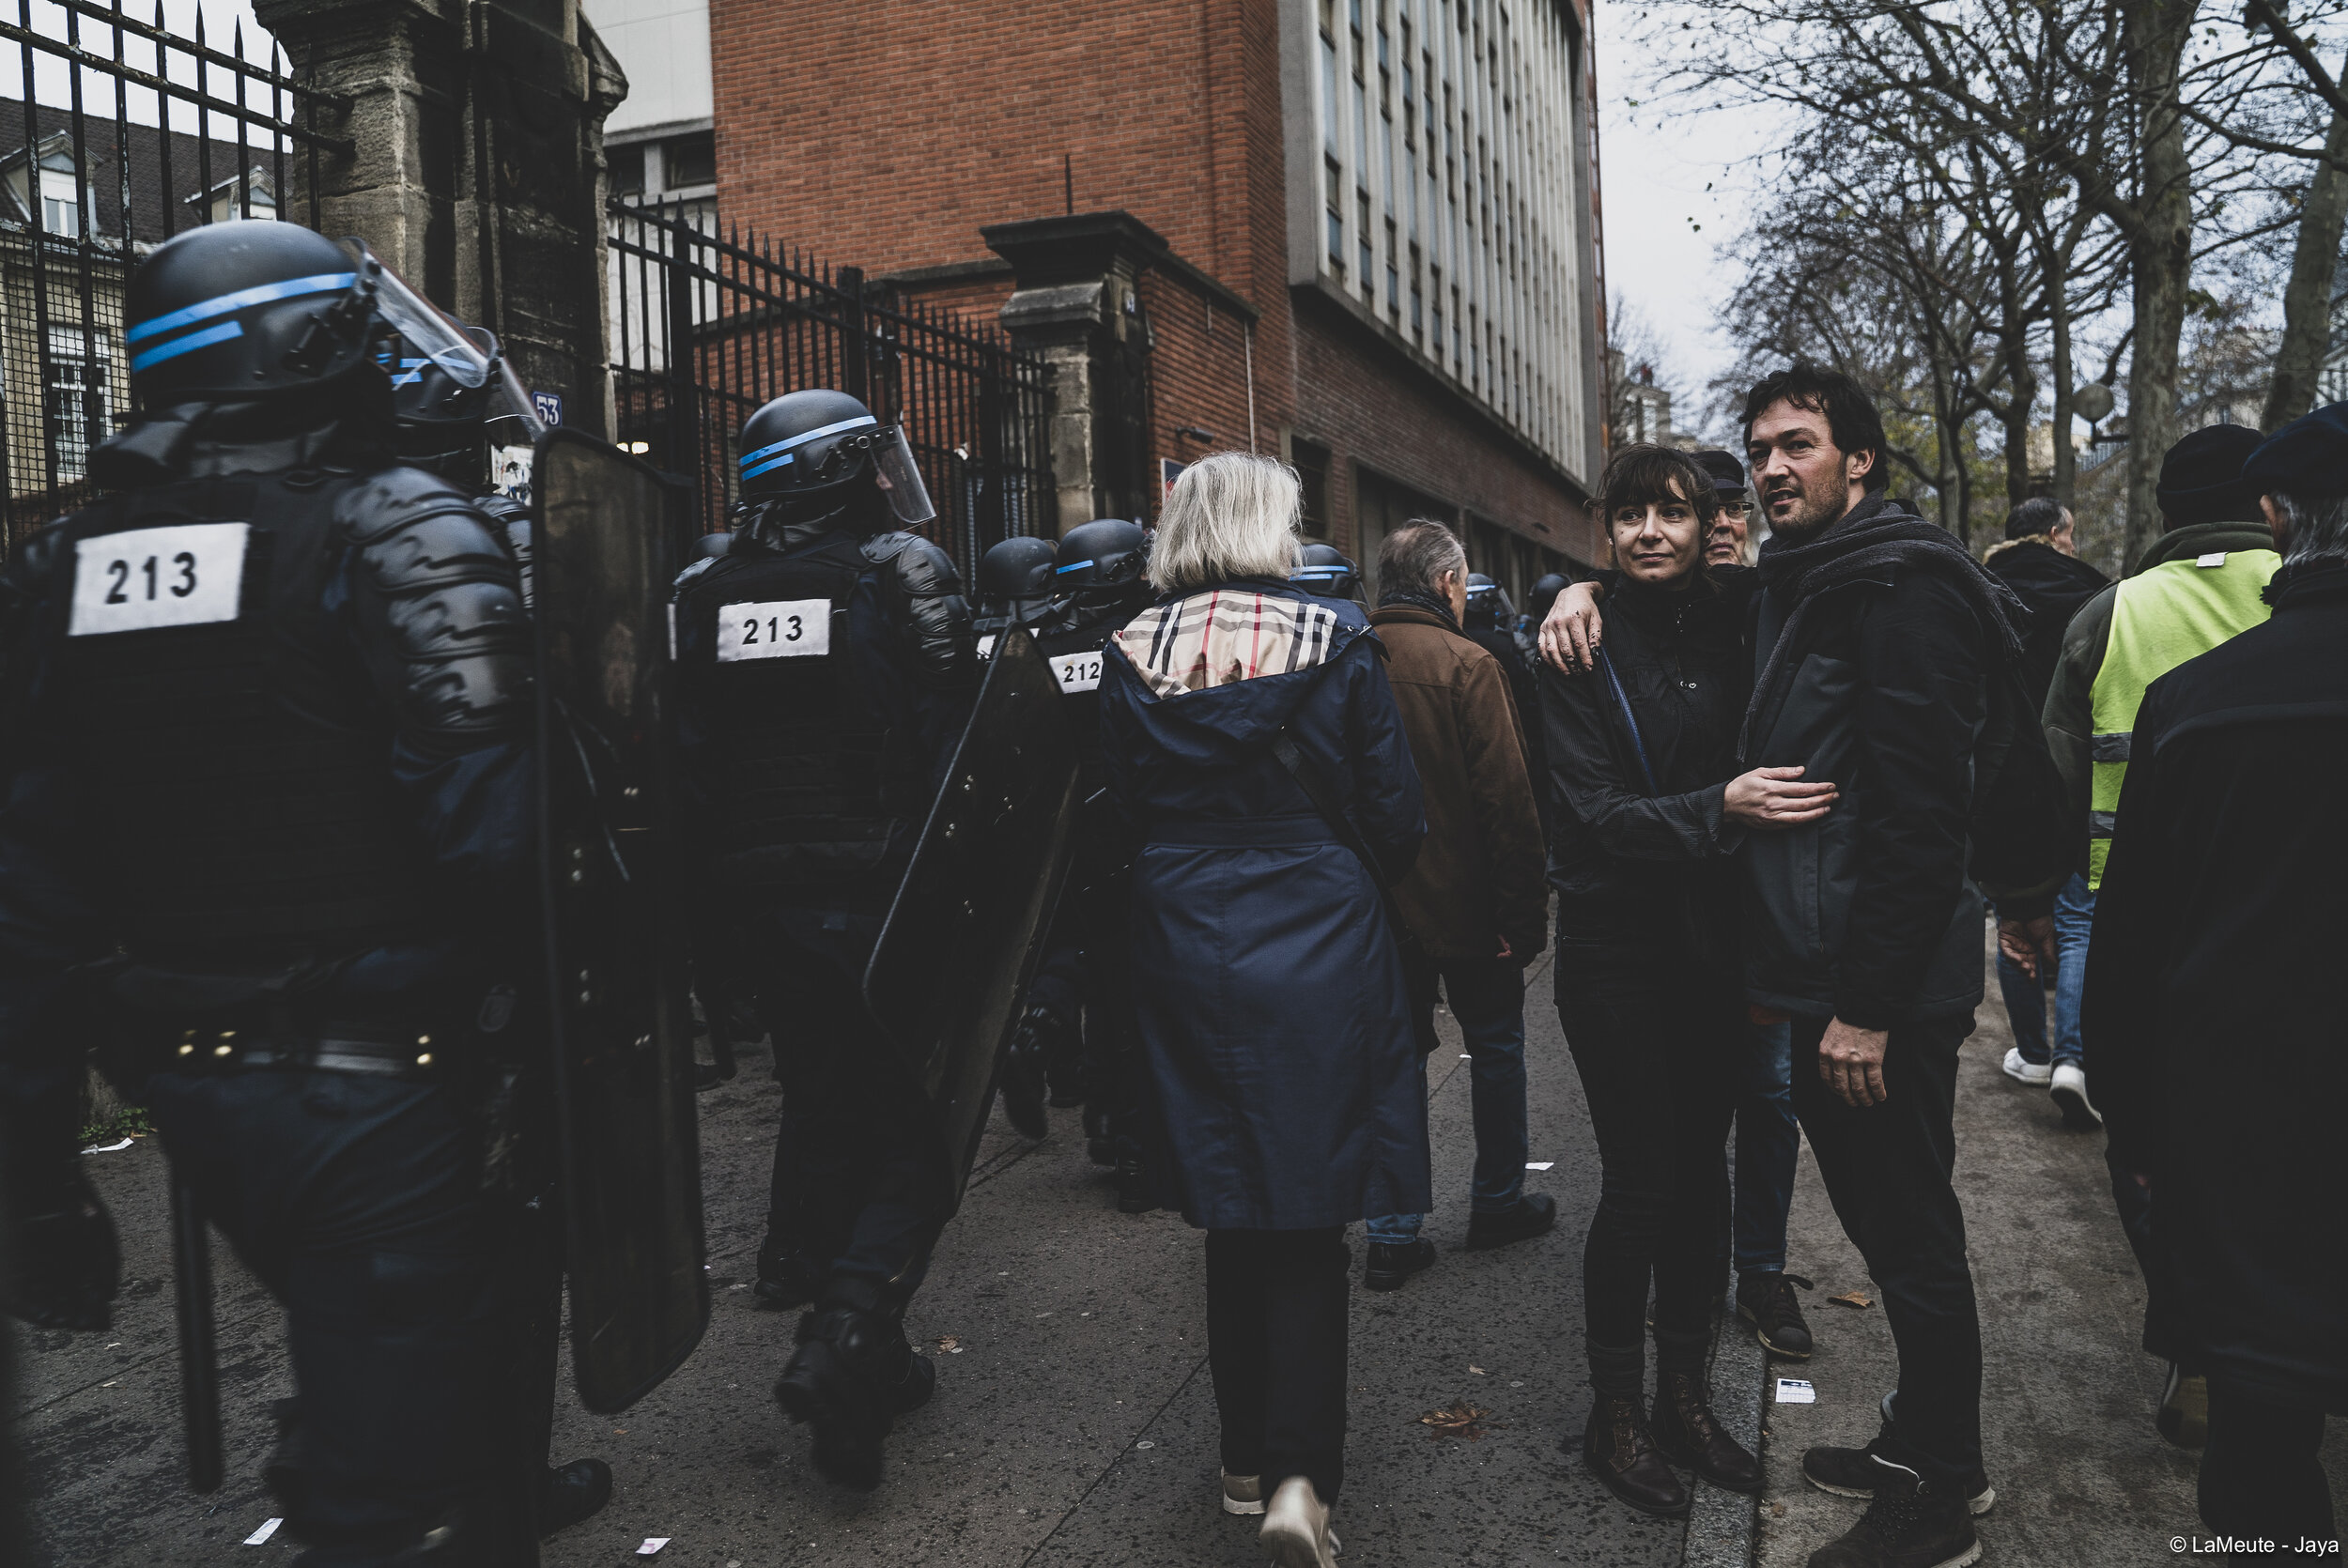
[1223, 636]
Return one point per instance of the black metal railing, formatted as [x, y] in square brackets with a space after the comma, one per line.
[707, 326]
[124, 133]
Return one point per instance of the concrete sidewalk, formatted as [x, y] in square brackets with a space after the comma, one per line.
[2082, 1478]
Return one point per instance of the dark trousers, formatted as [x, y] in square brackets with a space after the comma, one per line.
[860, 1179]
[1275, 1340]
[1769, 1147]
[358, 1202]
[1658, 1049]
[2260, 1474]
[2165, 1331]
[1887, 1169]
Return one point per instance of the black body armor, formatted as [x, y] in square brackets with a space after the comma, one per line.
[806, 784]
[235, 749]
[1074, 642]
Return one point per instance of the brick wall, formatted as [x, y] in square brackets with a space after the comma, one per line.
[925, 121]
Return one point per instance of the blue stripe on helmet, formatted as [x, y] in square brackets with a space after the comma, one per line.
[781, 462]
[259, 294]
[857, 423]
[1059, 571]
[188, 345]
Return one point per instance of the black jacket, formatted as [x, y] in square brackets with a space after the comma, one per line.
[1632, 863]
[1867, 916]
[2221, 1065]
[2052, 586]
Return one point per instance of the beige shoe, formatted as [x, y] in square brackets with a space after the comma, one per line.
[1242, 1493]
[1296, 1527]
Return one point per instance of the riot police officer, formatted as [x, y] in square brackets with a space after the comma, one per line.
[1099, 568]
[273, 758]
[1014, 586]
[1328, 572]
[826, 665]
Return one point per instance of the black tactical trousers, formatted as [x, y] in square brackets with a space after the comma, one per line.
[860, 1184]
[357, 1201]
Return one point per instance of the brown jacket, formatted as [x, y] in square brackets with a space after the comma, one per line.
[1479, 875]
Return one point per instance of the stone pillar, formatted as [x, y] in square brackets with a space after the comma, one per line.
[1074, 305]
[477, 168]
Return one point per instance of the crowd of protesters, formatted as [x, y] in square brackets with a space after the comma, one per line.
[1772, 793]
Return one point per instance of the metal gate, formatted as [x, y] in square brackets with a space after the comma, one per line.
[123, 133]
[707, 326]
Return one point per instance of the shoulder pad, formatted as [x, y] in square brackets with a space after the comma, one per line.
[391, 499]
[685, 578]
[505, 509]
[920, 564]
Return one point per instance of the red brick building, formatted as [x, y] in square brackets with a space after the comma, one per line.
[1360, 234]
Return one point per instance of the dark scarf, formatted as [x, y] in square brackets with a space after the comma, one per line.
[2296, 581]
[1874, 538]
[1420, 601]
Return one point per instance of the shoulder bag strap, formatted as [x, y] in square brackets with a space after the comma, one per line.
[1622, 700]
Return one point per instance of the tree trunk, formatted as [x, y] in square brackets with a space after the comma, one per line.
[2308, 299]
[2160, 254]
[2067, 456]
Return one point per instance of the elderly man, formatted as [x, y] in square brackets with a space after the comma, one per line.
[1725, 542]
[2220, 1058]
[1474, 901]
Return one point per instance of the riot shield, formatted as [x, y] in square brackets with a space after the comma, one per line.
[950, 971]
[623, 1041]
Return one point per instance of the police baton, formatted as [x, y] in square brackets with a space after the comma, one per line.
[199, 1372]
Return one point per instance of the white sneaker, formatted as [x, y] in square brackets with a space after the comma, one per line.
[1242, 1493]
[2070, 1095]
[2034, 1074]
[1296, 1527]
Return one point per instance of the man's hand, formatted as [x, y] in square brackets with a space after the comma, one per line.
[1569, 636]
[1770, 798]
[2029, 944]
[1851, 1062]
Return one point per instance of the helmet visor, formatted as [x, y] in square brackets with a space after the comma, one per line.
[429, 334]
[899, 477]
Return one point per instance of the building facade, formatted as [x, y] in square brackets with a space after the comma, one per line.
[1358, 234]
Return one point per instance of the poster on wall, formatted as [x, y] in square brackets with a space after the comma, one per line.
[1168, 472]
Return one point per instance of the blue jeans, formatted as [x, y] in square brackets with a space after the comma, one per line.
[2025, 998]
[1769, 1143]
[1486, 997]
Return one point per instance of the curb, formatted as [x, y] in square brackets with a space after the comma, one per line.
[1724, 1526]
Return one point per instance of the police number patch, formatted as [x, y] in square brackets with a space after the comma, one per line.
[184, 575]
[775, 629]
[1077, 671]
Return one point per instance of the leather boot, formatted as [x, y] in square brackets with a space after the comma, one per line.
[1686, 1431]
[1616, 1445]
[852, 1377]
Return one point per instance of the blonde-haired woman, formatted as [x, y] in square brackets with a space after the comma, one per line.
[1253, 746]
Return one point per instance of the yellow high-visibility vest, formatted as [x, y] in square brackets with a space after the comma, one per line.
[2174, 611]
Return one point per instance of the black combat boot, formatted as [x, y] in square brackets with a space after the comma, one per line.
[853, 1375]
[786, 1276]
[1617, 1446]
[1021, 1083]
[1684, 1428]
[574, 1492]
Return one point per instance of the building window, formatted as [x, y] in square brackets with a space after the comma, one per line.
[77, 401]
[1455, 319]
[689, 160]
[626, 166]
[1369, 257]
[1311, 462]
[1418, 304]
[1434, 276]
[1394, 275]
[1329, 90]
[1336, 217]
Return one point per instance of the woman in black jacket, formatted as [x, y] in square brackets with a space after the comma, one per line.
[1641, 750]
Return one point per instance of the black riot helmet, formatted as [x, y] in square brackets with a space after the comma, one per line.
[812, 449]
[1324, 570]
[1101, 558]
[1538, 603]
[245, 311]
[1018, 568]
[453, 393]
[1488, 605]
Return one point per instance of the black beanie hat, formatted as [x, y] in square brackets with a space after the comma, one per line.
[2306, 458]
[2201, 478]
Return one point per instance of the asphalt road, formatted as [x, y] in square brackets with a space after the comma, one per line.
[1073, 1425]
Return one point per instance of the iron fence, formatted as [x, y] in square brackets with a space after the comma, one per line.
[708, 325]
[126, 133]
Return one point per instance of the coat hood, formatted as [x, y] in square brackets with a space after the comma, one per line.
[1217, 673]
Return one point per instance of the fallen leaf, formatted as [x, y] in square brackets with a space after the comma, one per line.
[1850, 1298]
[1458, 1420]
[951, 1343]
[1478, 1370]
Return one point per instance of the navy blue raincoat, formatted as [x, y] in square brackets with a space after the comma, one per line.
[1268, 990]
